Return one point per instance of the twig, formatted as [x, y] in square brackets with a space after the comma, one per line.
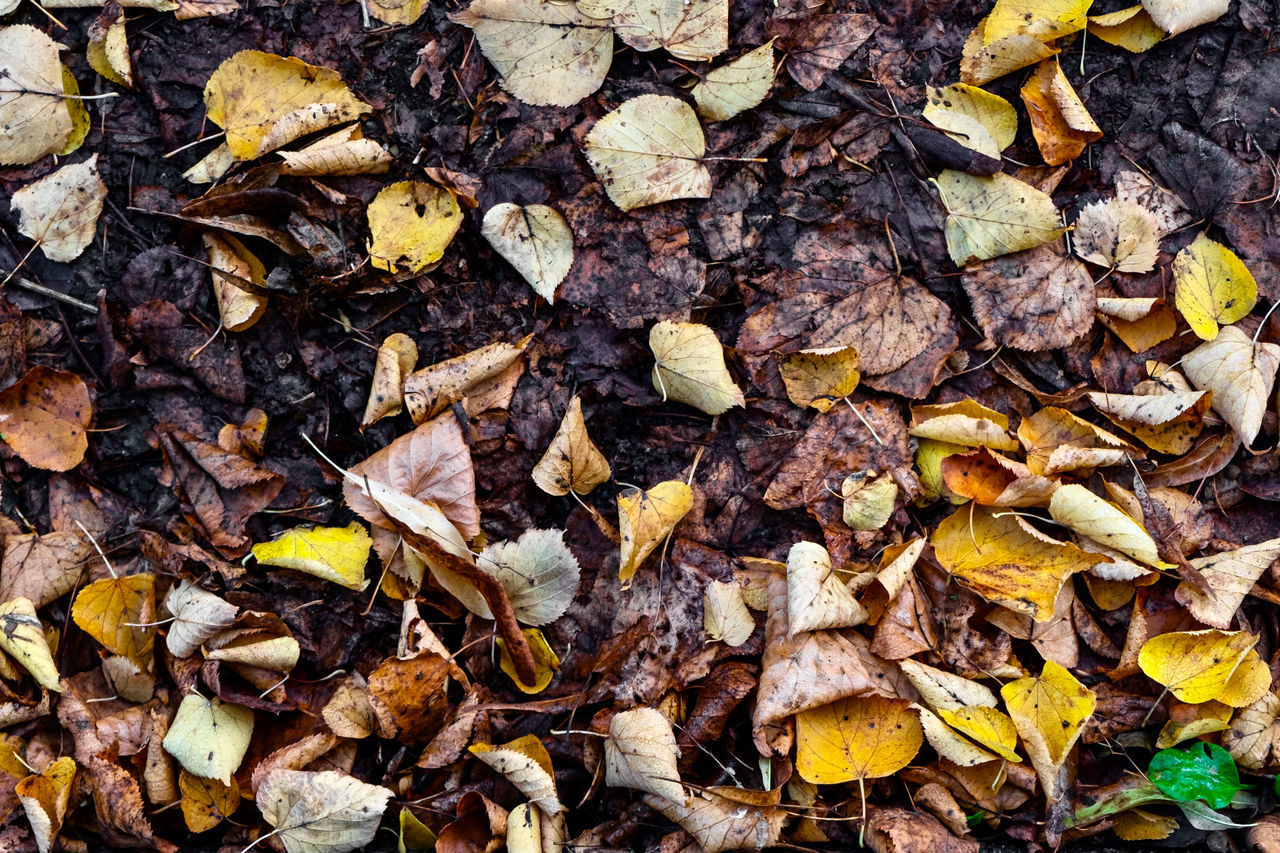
[28, 284]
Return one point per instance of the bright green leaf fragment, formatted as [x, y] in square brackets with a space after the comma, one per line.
[1203, 772]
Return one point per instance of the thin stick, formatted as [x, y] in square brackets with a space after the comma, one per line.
[862, 828]
[193, 143]
[870, 428]
[50, 16]
[97, 548]
[28, 284]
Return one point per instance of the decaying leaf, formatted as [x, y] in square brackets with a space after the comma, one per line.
[1167, 423]
[1049, 711]
[725, 616]
[1212, 287]
[820, 378]
[209, 737]
[477, 379]
[1059, 121]
[646, 518]
[526, 764]
[31, 106]
[43, 418]
[1231, 575]
[337, 554]
[572, 461]
[1057, 441]
[689, 367]
[816, 598]
[697, 30]
[1141, 322]
[535, 240]
[197, 616]
[46, 798]
[985, 59]
[989, 217]
[411, 223]
[22, 637]
[232, 263]
[863, 737]
[1033, 300]
[1045, 20]
[396, 359]
[964, 422]
[649, 150]
[736, 87]
[321, 812]
[1251, 735]
[207, 802]
[720, 824]
[640, 752]
[1240, 372]
[869, 500]
[343, 152]
[1118, 234]
[539, 573]
[60, 211]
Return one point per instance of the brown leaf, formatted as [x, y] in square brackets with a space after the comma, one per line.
[893, 830]
[43, 418]
[1034, 300]
[818, 44]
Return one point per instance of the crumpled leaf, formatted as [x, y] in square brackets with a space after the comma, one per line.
[1240, 374]
[988, 727]
[22, 637]
[1059, 121]
[1058, 441]
[1141, 322]
[548, 54]
[964, 422]
[946, 691]
[535, 240]
[396, 359]
[689, 367]
[1196, 666]
[737, 86]
[1212, 287]
[527, 765]
[1118, 234]
[1034, 300]
[1251, 735]
[324, 812]
[43, 417]
[989, 217]
[1231, 575]
[476, 379]
[640, 752]
[60, 211]
[864, 737]
[1203, 771]
[1083, 512]
[545, 661]
[868, 500]
[983, 59]
[991, 479]
[645, 518]
[1167, 423]
[230, 260]
[539, 573]
[649, 150]
[198, 615]
[336, 554]
[31, 104]
[209, 737]
[1049, 712]
[816, 599]
[820, 378]
[725, 616]
[120, 613]
[45, 798]
[342, 153]
[411, 223]
[572, 461]
[720, 824]
[263, 101]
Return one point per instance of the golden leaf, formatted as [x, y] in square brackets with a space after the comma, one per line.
[120, 614]
[995, 117]
[337, 554]
[22, 636]
[1049, 712]
[820, 378]
[46, 798]
[861, 737]
[527, 765]
[989, 727]
[411, 223]
[230, 261]
[206, 802]
[1059, 121]
[1212, 287]
[1083, 512]
[689, 367]
[646, 518]
[396, 359]
[572, 461]
[1196, 666]
[545, 661]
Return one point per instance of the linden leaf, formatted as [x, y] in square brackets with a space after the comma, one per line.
[1231, 575]
[720, 824]
[1212, 287]
[645, 518]
[649, 150]
[539, 573]
[1196, 666]
[1085, 513]
[689, 367]
[1131, 29]
[1204, 771]
[861, 737]
[120, 613]
[1049, 712]
[640, 752]
[944, 690]
[535, 240]
[736, 87]
[976, 118]
[1057, 441]
[46, 798]
[258, 640]
[572, 461]
[1240, 373]
[324, 812]
[43, 418]
[1141, 322]
[1250, 736]
[337, 554]
[991, 479]
[950, 744]
[209, 737]
[1035, 300]
[230, 263]
[395, 361]
[1249, 683]
[1045, 20]
[1006, 561]
[989, 727]
[411, 223]
[545, 661]
[1059, 121]
[688, 29]
[31, 104]
[983, 60]
[198, 615]
[548, 54]
[22, 636]
[207, 802]
[1118, 234]
[989, 217]
[868, 500]
[820, 378]
[816, 598]
[725, 616]
[60, 211]
[963, 422]
[527, 765]
[263, 101]
[1167, 423]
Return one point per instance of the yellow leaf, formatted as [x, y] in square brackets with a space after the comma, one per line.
[60, 211]
[45, 798]
[689, 367]
[1240, 374]
[337, 554]
[1006, 561]
[1060, 122]
[1212, 286]
[22, 636]
[572, 461]
[476, 379]
[1249, 683]
[719, 824]
[964, 422]
[989, 727]
[816, 598]
[989, 217]
[209, 737]
[1231, 575]
[1195, 665]
[80, 121]
[640, 753]
[993, 114]
[645, 519]
[1118, 234]
[868, 500]
[1140, 825]
[649, 150]
[116, 612]
[231, 263]
[321, 811]
[725, 616]
[414, 834]
[343, 152]
[206, 802]
[1188, 721]
[527, 765]
[1167, 423]
[1045, 20]
[535, 240]
[981, 62]
[1049, 712]
[820, 378]
[737, 86]
[1057, 441]
[861, 737]
[31, 102]
[545, 661]
[944, 690]
[1140, 323]
[1083, 512]
[397, 13]
[950, 744]
[396, 359]
[1131, 29]
[108, 50]
[410, 225]
[263, 101]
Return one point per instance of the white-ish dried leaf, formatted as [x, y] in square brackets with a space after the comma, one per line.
[60, 211]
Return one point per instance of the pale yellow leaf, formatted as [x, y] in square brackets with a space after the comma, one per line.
[1083, 512]
[342, 153]
[209, 737]
[535, 239]
[1231, 575]
[1240, 374]
[538, 572]
[572, 461]
[233, 267]
[736, 87]
[640, 752]
[645, 518]
[868, 500]
[60, 211]
[816, 598]
[649, 150]
[1178, 16]
[324, 812]
[23, 637]
[689, 367]
[725, 617]
[1196, 666]
[31, 106]
[527, 765]
[1118, 234]
[989, 217]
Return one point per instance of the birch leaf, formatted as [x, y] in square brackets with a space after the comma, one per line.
[539, 573]
[410, 225]
[862, 737]
[60, 211]
[1212, 287]
[324, 812]
[572, 461]
[640, 752]
[1049, 711]
[337, 554]
[32, 110]
[689, 367]
[649, 150]
[736, 87]
[209, 737]
[198, 615]
[535, 240]
[645, 518]
[989, 217]
[23, 638]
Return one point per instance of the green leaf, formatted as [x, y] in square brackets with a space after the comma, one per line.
[1205, 772]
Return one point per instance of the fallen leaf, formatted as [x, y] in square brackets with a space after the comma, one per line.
[396, 359]
[1034, 300]
[324, 812]
[466, 379]
[1193, 721]
[342, 153]
[337, 554]
[697, 30]
[1195, 666]
[527, 765]
[649, 150]
[964, 422]
[258, 640]
[645, 519]
[989, 217]
[988, 727]
[983, 59]
[1240, 373]
[994, 480]
[689, 367]
[349, 713]
[946, 691]
[863, 737]
[1045, 20]
[535, 240]
[976, 118]
[548, 54]
[1140, 323]
[1057, 441]
[1251, 736]
[1059, 121]
[640, 752]
[545, 661]
[816, 598]
[1178, 16]
[905, 831]
[869, 500]
[397, 13]
[539, 573]
[737, 86]
[46, 798]
[230, 263]
[725, 617]
[1167, 423]
[817, 44]
[209, 737]
[108, 48]
[264, 101]
[820, 378]
[1131, 29]
[120, 613]
[411, 223]
[1118, 234]
[1083, 512]
[207, 802]
[1231, 575]
[43, 418]
[31, 103]
[197, 616]
[23, 638]
[1211, 287]
[1049, 712]
[572, 460]
[60, 211]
